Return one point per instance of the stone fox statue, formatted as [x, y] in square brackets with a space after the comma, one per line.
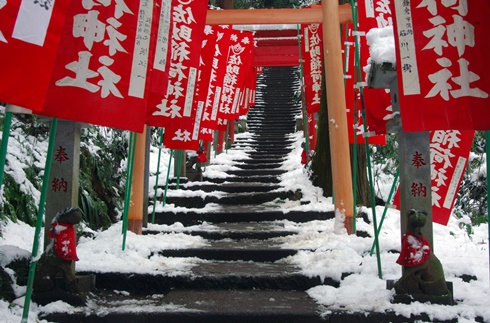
[57, 261]
[422, 270]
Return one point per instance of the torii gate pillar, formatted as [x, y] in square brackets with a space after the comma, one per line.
[331, 15]
[339, 140]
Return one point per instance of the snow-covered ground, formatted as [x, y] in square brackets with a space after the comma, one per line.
[327, 253]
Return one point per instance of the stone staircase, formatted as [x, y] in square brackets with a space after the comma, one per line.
[240, 274]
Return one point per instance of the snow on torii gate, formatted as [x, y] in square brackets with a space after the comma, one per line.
[330, 15]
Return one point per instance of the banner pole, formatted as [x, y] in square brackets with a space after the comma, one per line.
[158, 174]
[39, 221]
[487, 140]
[303, 103]
[7, 122]
[129, 180]
[164, 202]
[388, 201]
[366, 139]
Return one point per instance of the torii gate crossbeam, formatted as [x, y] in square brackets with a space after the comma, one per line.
[330, 15]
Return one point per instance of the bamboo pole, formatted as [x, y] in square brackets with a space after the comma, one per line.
[339, 140]
[487, 141]
[39, 221]
[7, 122]
[313, 15]
[158, 174]
[135, 215]
[129, 180]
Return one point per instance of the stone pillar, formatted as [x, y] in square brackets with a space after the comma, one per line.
[415, 182]
[65, 166]
[413, 154]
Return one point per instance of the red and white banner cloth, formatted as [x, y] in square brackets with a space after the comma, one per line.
[30, 32]
[176, 108]
[352, 94]
[238, 64]
[443, 73]
[377, 102]
[101, 67]
[312, 54]
[449, 154]
[209, 121]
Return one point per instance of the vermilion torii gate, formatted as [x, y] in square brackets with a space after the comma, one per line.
[330, 15]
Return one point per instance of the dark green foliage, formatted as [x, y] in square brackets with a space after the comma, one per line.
[101, 188]
[472, 195]
[18, 205]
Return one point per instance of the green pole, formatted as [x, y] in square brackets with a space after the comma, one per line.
[129, 176]
[178, 165]
[368, 154]
[303, 104]
[39, 221]
[158, 173]
[7, 122]
[390, 196]
[168, 177]
[487, 140]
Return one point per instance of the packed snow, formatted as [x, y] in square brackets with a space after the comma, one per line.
[322, 252]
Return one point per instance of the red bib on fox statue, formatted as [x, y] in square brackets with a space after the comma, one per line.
[64, 242]
[415, 250]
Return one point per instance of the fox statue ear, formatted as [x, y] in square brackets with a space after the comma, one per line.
[411, 212]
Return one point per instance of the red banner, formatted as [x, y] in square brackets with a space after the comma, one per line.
[449, 153]
[100, 71]
[443, 74]
[312, 53]
[30, 33]
[177, 109]
[209, 121]
[239, 60]
[352, 95]
[377, 102]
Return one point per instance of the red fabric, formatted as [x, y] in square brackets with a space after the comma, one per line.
[312, 54]
[303, 157]
[239, 57]
[100, 73]
[415, 250]
[202, 157]
[374, 14]
[178, 110]
[26, 67]
[353, 98]
[64, 241]
[442, 64]
[449, 155]
[205, 71]
[215, 88]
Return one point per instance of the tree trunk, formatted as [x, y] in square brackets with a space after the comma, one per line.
[362, 193]
[225, 4]
[321, 163]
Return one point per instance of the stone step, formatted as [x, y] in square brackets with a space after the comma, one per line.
[225, 187]
[225, 250]
[256, 172]
[237, 231]
[204, 306]
[263, 165]
[237, 214]
[218, 275]
[266, 179]
[245, 198]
